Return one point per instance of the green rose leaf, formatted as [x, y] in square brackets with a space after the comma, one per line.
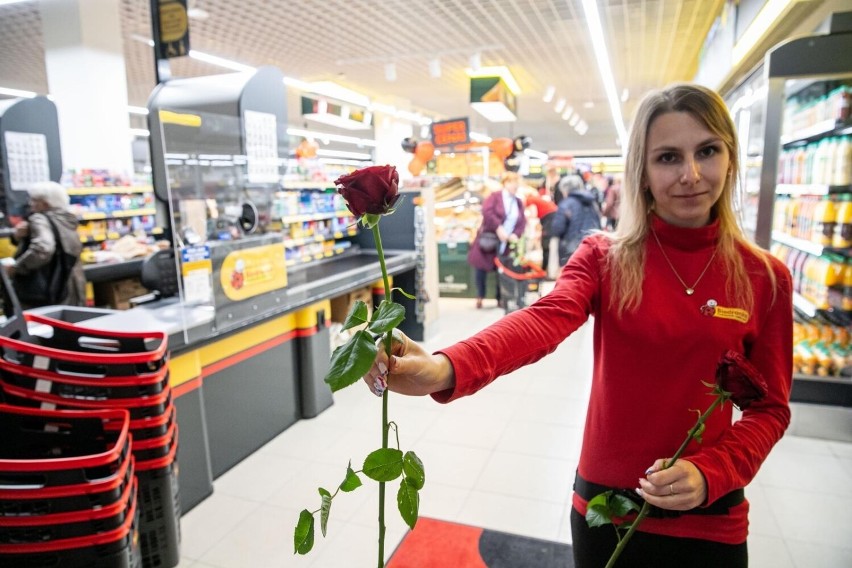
[598, 512]
[358, 314]
[408, 501]
[352, 481]
[413, 468]
[620, 505]
[303, 537]
[351, 361]
[326, 508]
[383, 465]
[387, 316]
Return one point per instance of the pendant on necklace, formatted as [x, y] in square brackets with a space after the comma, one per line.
[690, 291]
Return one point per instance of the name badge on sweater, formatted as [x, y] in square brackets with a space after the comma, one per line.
[713, 309]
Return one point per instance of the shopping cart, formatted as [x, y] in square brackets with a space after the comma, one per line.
[520, 284]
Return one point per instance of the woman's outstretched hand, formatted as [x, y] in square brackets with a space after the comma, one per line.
[410, 371]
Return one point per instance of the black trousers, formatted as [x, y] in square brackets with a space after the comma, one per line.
[593, 546]
[482, 280]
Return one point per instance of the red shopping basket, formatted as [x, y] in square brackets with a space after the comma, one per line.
[116, 548]
[24, 502]
[45, 448]
[76, 351]
[520, 284]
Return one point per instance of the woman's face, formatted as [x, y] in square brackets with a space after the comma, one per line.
[38, 205]
[686, 168]
[511, 185]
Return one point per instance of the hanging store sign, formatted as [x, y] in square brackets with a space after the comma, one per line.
[173, 29]
[492, 98]
[341, 115]
[450, 132]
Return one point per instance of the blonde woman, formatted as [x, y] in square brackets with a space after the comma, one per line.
[672, 289]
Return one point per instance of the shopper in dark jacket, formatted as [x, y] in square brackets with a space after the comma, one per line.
[37, 244]
[580, 214]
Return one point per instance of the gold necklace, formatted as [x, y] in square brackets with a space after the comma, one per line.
[690, 290]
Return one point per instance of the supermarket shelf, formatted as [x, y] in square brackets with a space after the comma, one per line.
[810, 189]
[317, 256]
[313, 217]
[97, 215]
[804, 305]
[832, 391]
[112, 235]
[290, 243]
[798, 244]
[806, 246]
[308, 185]
[111, 190]
[818, 130]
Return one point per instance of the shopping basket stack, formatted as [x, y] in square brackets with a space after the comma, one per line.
[68, 496]
[520, 283]
[66, 367]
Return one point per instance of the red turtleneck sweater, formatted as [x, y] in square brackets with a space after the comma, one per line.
[649, 364]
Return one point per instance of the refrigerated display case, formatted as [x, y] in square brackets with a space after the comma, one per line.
[802, 209]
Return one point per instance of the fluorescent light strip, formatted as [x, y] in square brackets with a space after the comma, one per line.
[593, 20]
[220, 61]
[549, 94]
[137, 110]
[342, 154]
[763, 22]
[17, 93]
[324, 88]
[140, 132]
[331, 137]
[477, 137]
[535, 154]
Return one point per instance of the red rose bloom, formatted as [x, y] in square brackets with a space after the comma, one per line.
[372, 190]
[737, 376]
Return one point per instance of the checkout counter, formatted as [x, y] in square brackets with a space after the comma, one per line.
[236, 389]
[245, 293]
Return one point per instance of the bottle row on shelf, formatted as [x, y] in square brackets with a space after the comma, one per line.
[305, 203]
[825, 220]
[820, 348]
[827, 162]
[825, 281]
[805, 111]
[95, 231]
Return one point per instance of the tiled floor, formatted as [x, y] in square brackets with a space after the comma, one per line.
[503, 459]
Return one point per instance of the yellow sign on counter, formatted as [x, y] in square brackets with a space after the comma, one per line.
[253, 271]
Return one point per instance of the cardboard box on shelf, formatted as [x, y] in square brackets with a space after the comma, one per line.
[341, 305]
[117, 294]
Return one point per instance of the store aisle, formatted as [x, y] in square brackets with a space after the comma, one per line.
[503, 459]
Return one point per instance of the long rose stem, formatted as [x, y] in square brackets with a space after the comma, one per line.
[643, 512]
[378, 238]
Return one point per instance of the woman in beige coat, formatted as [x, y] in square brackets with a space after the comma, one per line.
[49, 204]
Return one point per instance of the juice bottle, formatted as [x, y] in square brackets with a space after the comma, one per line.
[825, 217]
[842, 174]
[846, 303]
[843, 229]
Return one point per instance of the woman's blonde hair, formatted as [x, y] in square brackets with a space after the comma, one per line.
[509, 176]
[626, 261]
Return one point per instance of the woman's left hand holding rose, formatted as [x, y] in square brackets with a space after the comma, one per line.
[681, 487]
